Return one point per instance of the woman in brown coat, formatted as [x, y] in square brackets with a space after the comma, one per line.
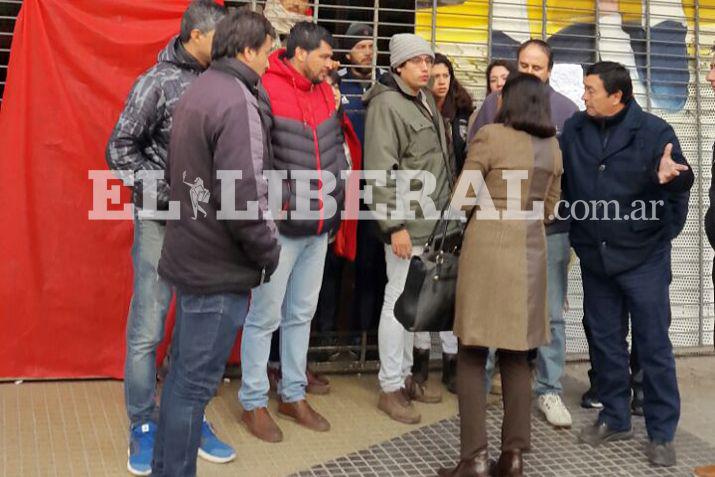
[501, 287]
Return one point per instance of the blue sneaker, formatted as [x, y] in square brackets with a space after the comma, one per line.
[141, 448]
[212, 449]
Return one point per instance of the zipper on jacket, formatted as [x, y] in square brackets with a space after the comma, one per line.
[320, 180]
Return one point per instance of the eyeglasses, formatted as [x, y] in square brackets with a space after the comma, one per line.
[418, 60]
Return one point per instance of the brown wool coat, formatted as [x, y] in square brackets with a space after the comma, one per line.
[501, 287]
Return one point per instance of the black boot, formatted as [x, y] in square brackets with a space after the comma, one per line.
[449, 371]
[420, 365]
[637, 400]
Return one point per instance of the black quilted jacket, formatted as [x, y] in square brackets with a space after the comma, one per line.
[140, 139]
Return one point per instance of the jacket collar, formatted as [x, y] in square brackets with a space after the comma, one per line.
[402, 87]
[238, 69]
[631, 120]
[622, 133]
[175, 53]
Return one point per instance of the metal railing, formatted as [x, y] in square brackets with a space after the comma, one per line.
[471, 31]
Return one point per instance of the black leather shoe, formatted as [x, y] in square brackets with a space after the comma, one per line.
[637, 405]
[589, 400]
[476, 467]
[661, 453]
[637, 400]
[510, 464]
[599, 432]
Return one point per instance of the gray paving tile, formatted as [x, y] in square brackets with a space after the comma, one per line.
[555, 453]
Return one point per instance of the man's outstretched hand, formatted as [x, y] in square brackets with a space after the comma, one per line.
[668, 168]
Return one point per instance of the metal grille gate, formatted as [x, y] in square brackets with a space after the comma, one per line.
[471, 32]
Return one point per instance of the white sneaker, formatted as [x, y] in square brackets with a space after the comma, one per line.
[554, 409]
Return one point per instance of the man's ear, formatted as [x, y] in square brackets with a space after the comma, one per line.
[300, 54]
[618, 97]
[195, 33]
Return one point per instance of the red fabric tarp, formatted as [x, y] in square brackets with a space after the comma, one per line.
[65, 280]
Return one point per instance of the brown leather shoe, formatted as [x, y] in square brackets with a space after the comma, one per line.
[422, 392]
[261, 424]
[476, 467]
[510, 464]
[317, 384]
[303, 414]
[398, 407]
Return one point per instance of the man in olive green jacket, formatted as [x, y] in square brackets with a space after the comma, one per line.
[404, 133]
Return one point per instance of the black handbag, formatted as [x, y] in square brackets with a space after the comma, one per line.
[427, 301]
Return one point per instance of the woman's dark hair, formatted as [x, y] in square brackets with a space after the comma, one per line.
[509, 65]
[615, 78]
[458, 99]
[306, 35]
[202, 15]
[239, 30]
[526, 106]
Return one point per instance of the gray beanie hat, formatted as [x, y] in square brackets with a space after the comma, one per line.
[404, 46]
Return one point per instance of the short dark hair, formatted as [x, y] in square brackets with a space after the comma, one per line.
[526, 106]
[615, 78]
[541, 44]
[509, 65]
[239, 30]
[306, 35]
[202, 15]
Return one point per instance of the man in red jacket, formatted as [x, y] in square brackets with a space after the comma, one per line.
[306, 139]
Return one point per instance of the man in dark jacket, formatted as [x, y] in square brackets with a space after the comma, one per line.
[139, 145]
[307, 142]
[370, 259]
[535, 57]
[216, 257]
[622, 166]
[710, 214]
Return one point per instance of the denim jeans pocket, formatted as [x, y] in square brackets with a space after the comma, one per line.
[202, 303]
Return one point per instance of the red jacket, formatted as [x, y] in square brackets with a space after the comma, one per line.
[306, 135]
[345, 244]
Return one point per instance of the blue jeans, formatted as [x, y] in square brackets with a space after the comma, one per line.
[205, 331]
[288, 300]
[145, 325]
[551, 358]
[643, 292]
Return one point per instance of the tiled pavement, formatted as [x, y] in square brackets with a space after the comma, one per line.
[78, 428]
[555, 453]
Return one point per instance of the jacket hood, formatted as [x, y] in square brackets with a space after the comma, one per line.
[279, 65]
[175, 54]
[387, 82]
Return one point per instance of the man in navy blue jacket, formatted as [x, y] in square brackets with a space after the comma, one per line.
[622, 167]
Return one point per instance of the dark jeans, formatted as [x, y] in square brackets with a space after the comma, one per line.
[204, 333]
[326, 314]
[370, 278]
[636, 370]
[643, 293]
